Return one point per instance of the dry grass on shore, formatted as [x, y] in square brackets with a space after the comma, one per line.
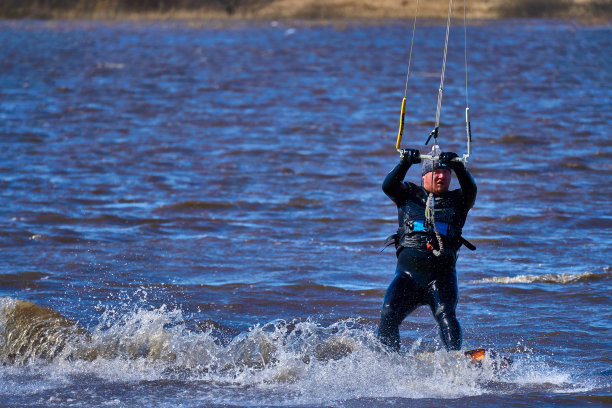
[299, 9]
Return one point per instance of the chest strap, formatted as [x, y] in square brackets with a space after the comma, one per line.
[442, 227]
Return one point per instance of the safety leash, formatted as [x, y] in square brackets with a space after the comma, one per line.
[430, 211]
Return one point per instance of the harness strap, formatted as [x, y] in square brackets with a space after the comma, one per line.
[442, 227]
[395, 238]
[467, 244]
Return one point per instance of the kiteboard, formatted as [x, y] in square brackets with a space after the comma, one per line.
[478, 355]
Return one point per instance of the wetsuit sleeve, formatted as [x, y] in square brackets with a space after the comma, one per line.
[393, 185]
[467, 183]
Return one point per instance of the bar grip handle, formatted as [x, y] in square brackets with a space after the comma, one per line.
[401, 126]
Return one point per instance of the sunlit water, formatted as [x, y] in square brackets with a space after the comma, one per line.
[204, 200]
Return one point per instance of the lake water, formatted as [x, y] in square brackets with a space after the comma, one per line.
[204, 200]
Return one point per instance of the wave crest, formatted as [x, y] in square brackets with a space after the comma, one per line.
[559, 278]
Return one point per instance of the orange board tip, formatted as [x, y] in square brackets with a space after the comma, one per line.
[476, 354]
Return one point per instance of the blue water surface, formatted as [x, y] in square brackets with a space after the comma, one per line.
[162, 179]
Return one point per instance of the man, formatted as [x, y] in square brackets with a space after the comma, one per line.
[426, 254]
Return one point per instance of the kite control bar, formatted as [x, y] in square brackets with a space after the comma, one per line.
[468, 131]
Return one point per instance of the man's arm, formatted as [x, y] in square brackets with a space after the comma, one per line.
[466, 181]
[392, 185]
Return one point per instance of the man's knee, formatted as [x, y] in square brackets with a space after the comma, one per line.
[443, 312]
[390, 314]
[450, 330]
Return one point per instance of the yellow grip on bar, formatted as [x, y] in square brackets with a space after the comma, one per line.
[401, 126]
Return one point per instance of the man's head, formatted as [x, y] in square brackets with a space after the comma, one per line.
[436, 177]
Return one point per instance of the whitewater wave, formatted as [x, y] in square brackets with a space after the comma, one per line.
[281, 362]
[560, 278]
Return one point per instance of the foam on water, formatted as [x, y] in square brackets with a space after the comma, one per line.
[560, 278]
[298, 362]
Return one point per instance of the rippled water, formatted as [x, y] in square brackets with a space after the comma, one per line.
[204, 200]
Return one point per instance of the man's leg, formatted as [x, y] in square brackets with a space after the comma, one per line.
[443, 295]
[400, 300]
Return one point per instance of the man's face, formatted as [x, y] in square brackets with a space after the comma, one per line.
[440, 182]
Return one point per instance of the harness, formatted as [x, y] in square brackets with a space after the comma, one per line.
[414, 227]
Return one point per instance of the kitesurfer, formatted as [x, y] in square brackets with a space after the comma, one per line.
[425, 272]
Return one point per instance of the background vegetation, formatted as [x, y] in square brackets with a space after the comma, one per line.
[299, 9]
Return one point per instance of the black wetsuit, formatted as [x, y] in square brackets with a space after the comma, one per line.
[421, 278]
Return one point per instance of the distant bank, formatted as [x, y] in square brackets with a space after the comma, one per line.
[300, 9]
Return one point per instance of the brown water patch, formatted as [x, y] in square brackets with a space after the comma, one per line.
[302, 203]
[510, 219]
[501, 242]
[335, 348]
[598, 222]
[518, 139]
[574, 166]
[32, 332]
[221, 331]
[23, 280]
[196, 205]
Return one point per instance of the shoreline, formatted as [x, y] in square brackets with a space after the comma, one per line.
[589, 11]
[286, 23]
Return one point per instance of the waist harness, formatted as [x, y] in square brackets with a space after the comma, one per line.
[413, 227]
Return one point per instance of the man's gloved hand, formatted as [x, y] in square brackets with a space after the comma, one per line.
[447, 157]
[411, 155]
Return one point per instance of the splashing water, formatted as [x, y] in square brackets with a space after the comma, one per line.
[279, 362]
